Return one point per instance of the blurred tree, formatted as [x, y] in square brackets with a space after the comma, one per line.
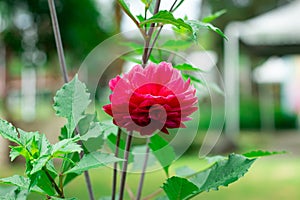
[79, 22]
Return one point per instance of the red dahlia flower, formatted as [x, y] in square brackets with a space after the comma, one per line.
[150, 99]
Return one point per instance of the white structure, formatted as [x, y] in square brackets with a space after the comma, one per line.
[278, 27]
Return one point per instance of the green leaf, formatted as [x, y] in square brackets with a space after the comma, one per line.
[261, 153]
[66, 146]
[178, 188]
[44, 146]
[39, 163]
[187, 67]
[193, 78]
[176, 45]
[213, 16]
[68, 165]
[108, 128]
[163, 152]
[125, 7]
[21, 182]
[8, 131]
[84, 123]
[94, 131]
[93, 160]
[111, 142]
[16, 151]
[41, 180]
[221, 173]
[15, 194]
[71, 102]
[166, 17]
[197, 25]
[56, 198]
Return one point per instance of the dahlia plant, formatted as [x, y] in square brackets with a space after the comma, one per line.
[156, 96]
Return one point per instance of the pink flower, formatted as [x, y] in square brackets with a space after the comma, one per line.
[150, 99]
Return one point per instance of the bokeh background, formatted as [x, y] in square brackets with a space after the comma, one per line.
[260, 64]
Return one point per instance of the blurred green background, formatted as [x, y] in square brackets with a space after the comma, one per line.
[27, 46]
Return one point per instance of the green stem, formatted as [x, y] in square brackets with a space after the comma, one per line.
[125, 165]
[59, 192]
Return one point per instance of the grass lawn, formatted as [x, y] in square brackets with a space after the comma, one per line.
[274, 178]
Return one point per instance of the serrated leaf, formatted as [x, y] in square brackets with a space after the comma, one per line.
[166, 17]
[21, 182]
[39, 163]
[94, 131]
[66, 146]
[71, 101]
[176, 45]
[213, 159]
[44, 146]
[187, 67]
[261, 153]
[178, 188]
[213, 16]
[27, 138]
[221, 173]
[8, 131]
[197, 25]
[163, 152]
[15, 194]
[93, 160]
[108, 128]
[16, 151]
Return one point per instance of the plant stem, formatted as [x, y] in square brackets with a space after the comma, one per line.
[132, 18]
[59, 46]
[148, 37]
[154, 41]
[61, 57]
[114, 185]
[59, 192]
[158, 32]
[173, 5]
[139, 194]
[125, 165]
[61, 185]
[86, 173]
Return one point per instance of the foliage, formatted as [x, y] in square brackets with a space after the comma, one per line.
[86, 143]
[39, 153]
